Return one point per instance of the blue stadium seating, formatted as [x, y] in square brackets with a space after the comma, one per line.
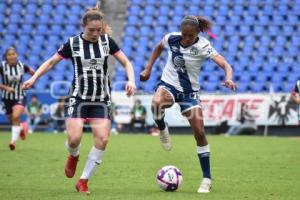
[36, 28]
[259, 38]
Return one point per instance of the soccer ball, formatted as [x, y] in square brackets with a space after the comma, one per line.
[169, 178]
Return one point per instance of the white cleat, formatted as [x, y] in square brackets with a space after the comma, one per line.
[205, 186]
[165, 139]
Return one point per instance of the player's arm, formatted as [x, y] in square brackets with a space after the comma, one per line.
[145, 74]
[221, 62]
[295, 97]
[7, 88]
[130, 85]
[30, 71]
[46, 66]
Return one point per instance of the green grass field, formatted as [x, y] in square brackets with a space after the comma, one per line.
[250, 168]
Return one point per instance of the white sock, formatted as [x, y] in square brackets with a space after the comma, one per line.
[203, 149]
[15, 132]
[73, 151]
[92, 163]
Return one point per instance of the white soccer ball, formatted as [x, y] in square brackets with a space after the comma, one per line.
[169, 178]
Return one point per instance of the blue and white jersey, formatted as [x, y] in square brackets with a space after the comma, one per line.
[183, 65]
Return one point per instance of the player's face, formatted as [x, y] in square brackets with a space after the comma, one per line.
[12, 57]
[189, 35]
[92, 30]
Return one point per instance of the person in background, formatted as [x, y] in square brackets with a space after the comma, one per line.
[13, 96]
[179, 83]
[138, 116]
[247, 124]
[114, 128]
[295, 97]
[34, 112]
[58, 115]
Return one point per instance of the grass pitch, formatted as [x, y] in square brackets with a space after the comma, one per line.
[250, 168]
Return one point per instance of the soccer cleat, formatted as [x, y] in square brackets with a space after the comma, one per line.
[165, 139]
[24, 130]
[82, 186]
[205, 186]
[12, 146]
[71, 164]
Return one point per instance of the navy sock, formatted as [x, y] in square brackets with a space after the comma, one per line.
[205, 164]
[160, 123]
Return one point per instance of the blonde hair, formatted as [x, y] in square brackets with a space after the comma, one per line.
[95, 13]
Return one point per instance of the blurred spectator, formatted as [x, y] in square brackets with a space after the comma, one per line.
[247, 124]
[138, 116]
[114, 127]
[58, 115]
[34, 112]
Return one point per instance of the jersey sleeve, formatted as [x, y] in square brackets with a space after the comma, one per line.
[1, 69]
[65, 50]
[113, 47]
[209, 51]
[165, 39]
[26, 68]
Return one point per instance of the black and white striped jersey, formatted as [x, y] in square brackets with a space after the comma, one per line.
[91, 79]
[12, 75]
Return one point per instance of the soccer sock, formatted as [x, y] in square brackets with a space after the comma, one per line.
[203, 154]
[160, 124]
[92, 163]
[159, 116]
[73, 151]
[15, 132]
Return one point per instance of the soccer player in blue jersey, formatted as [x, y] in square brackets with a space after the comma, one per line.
[179, 83]
[13, 97]
[89, 98]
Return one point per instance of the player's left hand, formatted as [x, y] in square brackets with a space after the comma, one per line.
[130, 88]
[230, 84]
[28, 84]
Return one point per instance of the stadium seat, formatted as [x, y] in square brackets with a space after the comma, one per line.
[256, 37]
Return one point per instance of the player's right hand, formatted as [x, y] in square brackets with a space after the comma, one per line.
[145, 75]
[28, 84]
[10, 89]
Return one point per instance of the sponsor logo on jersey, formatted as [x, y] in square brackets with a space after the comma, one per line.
[194, 51]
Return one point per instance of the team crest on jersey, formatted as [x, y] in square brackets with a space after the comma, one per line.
[93, 61]
[194, 51]
[179, 63]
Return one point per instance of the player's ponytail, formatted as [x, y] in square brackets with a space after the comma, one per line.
[95, 13]
[202, 23]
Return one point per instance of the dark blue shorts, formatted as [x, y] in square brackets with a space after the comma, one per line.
[186, 101]
[9, 104]
[78, 108]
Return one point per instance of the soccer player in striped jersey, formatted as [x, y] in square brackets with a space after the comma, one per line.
[295, 96]
[179, 83]
[89, 98]
[13, 97]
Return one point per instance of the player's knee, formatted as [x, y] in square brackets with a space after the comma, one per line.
[101, 142]
[157, 101]
[74, 141]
